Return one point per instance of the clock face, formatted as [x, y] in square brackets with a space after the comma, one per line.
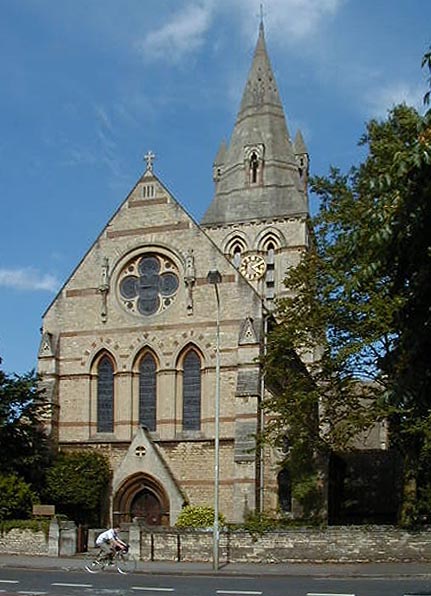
[252, 267]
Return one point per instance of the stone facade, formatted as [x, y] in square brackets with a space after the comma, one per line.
[129, 354]
[84, 325]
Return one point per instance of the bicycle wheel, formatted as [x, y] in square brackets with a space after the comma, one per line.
[125, 563]
[93, 564]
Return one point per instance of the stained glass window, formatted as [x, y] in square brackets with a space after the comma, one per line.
[148, 284]
[147, 392]
[105, 396]
[192, 392]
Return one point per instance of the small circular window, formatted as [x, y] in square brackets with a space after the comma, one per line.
[148, 284]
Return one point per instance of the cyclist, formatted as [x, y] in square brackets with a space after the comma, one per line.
[109, 542]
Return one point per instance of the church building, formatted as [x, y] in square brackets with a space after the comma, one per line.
[150, 351]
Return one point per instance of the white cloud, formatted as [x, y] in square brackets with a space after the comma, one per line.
[381, 99]
[180, 36]
[300, 18]
[288, 21]
[28, 279]
[102, 116]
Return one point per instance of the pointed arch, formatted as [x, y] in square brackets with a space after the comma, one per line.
[269, 242]
[147, 403]
[143, 496]
[190, 363]
[234, 247]
[104, 366]
[254, 166]
[268, 236]
[254, 162]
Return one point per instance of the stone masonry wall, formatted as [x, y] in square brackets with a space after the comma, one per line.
[24, 542]
[343, 544]
[336, 544]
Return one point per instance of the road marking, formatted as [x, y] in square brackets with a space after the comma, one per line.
[72, 585]
[31, 592]
[237, 592]
[327, 594]
[9, 581]
[149, 589]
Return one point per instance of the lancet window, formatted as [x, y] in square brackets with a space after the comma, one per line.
[105, 395]
[192, 391]
[148, 392]
[270, 272]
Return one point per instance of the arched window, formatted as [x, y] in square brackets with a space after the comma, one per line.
[192, 391]
[254, 166]
[234, 248]
[147, 392]
[270, 272]
[105, 396]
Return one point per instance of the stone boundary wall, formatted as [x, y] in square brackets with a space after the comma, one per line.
[61, 540]
[24, 542]
[343, 544]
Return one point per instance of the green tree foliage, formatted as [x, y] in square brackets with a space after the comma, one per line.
[25, 449]
[359, 310]
[78, 485]
[16, 498]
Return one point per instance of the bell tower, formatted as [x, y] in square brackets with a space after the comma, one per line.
[258, 216]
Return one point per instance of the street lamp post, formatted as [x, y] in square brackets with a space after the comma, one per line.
[214, 278]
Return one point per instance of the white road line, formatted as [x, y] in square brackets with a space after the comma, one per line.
[149, 589]
[237, 592]
[31, 592]
[327, 594]
[9, 581]
[72, 585]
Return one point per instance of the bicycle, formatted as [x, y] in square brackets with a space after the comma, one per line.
[120, 559]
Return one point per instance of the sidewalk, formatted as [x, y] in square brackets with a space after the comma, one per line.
[422, 570]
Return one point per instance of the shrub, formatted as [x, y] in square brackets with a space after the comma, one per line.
[260, 522]
[16, 498]
[198, 516]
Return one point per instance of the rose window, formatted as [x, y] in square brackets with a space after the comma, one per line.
[148, 284]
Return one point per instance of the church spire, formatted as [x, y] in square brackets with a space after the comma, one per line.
[259, 179]
[261, 87]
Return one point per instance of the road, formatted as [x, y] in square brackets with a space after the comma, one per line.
[76, 583]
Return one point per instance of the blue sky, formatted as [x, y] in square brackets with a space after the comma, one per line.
[89, 86]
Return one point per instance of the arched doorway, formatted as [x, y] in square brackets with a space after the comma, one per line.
[147, 506]
[143, 498]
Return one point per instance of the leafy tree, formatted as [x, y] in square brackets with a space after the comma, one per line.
[78, 485]
[16, 498]
[358, 310]
[25, 449]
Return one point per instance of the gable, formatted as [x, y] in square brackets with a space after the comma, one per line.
[151, 241]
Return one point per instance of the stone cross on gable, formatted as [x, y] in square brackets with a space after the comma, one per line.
[149, 158]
